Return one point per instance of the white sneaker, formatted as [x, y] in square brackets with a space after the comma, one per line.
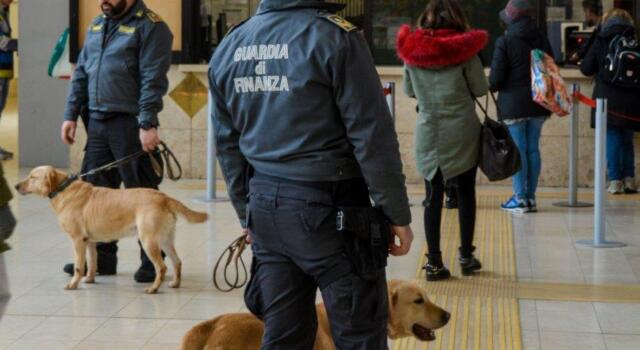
[630, 185]
[616, 187]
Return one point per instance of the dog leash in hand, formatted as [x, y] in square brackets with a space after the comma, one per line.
[163, 150]
[233, 255]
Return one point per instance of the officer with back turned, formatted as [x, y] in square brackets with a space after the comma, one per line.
[305, 139]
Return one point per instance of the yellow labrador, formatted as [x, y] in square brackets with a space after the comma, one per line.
[411, 314]
[96, 214]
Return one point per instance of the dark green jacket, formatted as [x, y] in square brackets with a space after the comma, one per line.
[5, 192]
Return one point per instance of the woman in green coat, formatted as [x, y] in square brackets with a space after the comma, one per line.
[443, 72]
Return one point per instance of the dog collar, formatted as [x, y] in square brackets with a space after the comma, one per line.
[63, 186]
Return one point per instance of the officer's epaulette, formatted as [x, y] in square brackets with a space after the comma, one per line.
[153, 16]
[337, 20]
[236, 26]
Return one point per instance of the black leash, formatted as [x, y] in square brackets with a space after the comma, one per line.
[233, 254]
[163, 150]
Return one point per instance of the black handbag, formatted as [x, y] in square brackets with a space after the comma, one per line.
[499, 155]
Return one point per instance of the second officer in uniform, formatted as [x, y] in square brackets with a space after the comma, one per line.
[121, 77]
[304, 132]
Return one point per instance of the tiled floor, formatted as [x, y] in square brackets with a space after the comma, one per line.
[116, 314]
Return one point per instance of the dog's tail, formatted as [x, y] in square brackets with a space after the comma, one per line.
[192, 216]
[197, 337]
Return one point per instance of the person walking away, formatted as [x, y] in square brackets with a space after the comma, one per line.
[617, 25]
[7, 48]
[302, 128]
[120, 79]
[511, 77]
[444, 73]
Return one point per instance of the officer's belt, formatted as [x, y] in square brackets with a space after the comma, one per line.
[324, 186]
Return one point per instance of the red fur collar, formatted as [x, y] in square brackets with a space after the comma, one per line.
[429, 48]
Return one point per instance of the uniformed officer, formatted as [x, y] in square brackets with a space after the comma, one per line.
[8, 47]
[120, 77]
[298, 103]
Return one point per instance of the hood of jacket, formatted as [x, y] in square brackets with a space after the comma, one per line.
[615, 26]
[524, 28]
[428, 48]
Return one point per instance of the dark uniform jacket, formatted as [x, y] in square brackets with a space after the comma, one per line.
[5, 192]
[296, 95]
[123, 66]
[511, 70]
[620, 99]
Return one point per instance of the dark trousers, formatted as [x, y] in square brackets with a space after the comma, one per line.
[465, 186]
[296, 246]
[109, 140]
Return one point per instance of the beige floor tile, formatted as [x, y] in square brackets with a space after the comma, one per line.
[567, 317]
[531, 340]
[619, 318]
[64, 328]
[622, 342]
[110, 345]
[127, 330]
[528, 315]
[571, 341]
[14, 327]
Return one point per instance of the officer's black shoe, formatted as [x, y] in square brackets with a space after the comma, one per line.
[145, 274]
[451, 202]
[103, 269]
[469, 265]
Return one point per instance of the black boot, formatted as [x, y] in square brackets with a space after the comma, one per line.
[435, 269]
[469, 265]
[107, 262]
[146, 272]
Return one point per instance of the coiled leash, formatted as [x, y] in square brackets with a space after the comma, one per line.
[233, 255]
[163, 151]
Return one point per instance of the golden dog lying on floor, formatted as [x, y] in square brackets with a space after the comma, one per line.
[96, 214]
[410, 314]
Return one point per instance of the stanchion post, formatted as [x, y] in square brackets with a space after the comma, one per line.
[390, 94]
[599, 219]
[574, 137]
[210, 195]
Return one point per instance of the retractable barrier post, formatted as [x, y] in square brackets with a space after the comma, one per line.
[390, 94]
[210, 195]
[574, 136]
[599, 229]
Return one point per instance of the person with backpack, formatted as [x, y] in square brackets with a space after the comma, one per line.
[444, 73]
[511, 77]
[614, 60]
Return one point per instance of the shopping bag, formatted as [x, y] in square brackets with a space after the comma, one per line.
[547, 86]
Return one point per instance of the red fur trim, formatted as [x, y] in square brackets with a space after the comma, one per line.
[429, 48]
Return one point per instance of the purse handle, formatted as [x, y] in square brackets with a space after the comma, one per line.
[485, 108]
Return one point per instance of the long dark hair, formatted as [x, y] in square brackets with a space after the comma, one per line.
[444, 14]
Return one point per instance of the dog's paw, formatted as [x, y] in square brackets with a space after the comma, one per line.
[151, 290]
[71, 286]
[89, 280]
[174, 285]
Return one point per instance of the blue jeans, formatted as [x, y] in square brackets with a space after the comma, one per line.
[620, 153]
[526, 135]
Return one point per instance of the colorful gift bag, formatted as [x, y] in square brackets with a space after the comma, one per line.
[547, 86]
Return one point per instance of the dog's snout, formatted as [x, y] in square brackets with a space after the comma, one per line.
[445, 317]
[17, 187]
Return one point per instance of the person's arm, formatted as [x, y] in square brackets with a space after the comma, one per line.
[370, 128]
[407, 86]
[233, 164]
[589, 65]
[7, 44]
[476, 80]
[499, 65]
[78, 90]
[154, 64]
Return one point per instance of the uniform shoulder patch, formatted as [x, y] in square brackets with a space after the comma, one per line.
[337, 20]
[153, 16]
[236, 26]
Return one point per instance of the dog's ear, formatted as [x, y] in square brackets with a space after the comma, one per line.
[50, 181]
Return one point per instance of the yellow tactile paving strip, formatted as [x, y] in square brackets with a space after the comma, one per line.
[484, 309]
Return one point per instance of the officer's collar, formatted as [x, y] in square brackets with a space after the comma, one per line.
[278, 5]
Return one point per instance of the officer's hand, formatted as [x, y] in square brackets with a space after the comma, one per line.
[247, 239]
[149, 139]
[68, 132]
[405, 236]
